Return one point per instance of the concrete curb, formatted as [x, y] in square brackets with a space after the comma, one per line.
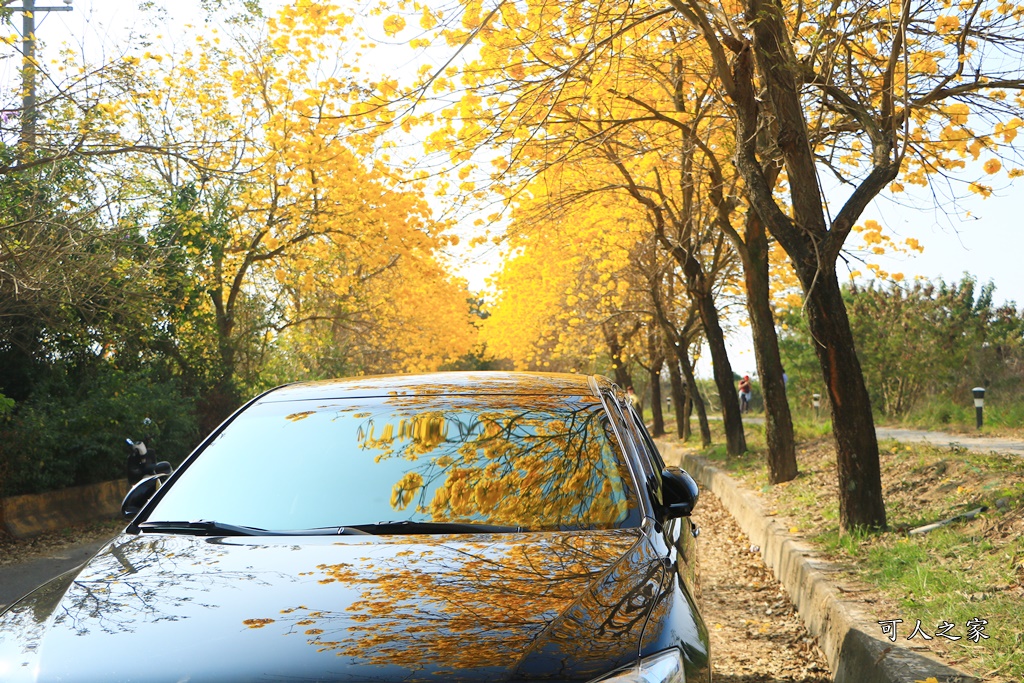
[31, 515]
[845, 632]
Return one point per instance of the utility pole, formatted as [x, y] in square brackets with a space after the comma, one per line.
[28, 11]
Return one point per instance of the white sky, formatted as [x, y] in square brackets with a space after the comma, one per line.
[982, 237]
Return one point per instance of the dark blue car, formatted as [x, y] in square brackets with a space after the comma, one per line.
[446, 527]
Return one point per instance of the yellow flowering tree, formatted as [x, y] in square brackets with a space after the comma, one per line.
[878, 94]
[294, 231]
[872, 92]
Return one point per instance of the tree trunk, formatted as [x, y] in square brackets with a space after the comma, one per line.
[732, 420]
[700, 293]
[656, 414]
[676, 345]
[657, 358]
[853, 425]
[687, 414]
[215, 405]
[698, 402]
[678, 398]
[615, 351]
[813, 246]
[778, 422]
[812, 241]
[217, 402]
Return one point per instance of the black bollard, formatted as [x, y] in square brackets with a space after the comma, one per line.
[979, 403]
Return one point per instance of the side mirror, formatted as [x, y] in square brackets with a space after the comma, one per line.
[141, 493]
[680, 491]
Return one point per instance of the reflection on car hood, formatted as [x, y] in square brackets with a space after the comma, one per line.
[495, 607]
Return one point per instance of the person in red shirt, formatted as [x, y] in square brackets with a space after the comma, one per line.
[745, 393]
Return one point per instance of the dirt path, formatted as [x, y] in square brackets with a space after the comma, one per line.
[756, 635]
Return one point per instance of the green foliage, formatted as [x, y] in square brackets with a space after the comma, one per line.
[1004, 411]
[6, 405]
[800, 363]
[807, 428]
[918, 340]
[72, 429]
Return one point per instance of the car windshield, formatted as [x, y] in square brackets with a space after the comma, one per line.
[538, 463]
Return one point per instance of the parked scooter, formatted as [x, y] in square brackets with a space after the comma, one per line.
[145, 475]
[141, 462]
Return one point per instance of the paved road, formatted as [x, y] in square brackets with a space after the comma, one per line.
[980, 444]
[20, 577]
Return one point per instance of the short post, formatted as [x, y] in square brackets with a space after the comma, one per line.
[816, 399]
[979, 404]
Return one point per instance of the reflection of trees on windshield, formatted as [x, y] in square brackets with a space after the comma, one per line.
[455, 602]
[545, 467]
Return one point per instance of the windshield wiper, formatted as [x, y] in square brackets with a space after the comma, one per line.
[201, 527]
[410, 527]
[205, 527]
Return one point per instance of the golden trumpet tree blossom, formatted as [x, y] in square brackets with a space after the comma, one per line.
[875, 94]
[297, 231]
[558, 303]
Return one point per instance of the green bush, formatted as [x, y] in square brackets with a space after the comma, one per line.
[71, 431]
[922, 346]
[6, 405]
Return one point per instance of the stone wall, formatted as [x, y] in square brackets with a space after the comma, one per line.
[30, 515]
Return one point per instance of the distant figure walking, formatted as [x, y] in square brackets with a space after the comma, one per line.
[745, 394]
[633, 398]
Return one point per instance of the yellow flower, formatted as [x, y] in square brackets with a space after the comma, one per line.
[946, 24]
[978, 188]
[957, 113]
[393, 24]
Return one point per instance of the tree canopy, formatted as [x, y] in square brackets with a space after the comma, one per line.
[265, 202]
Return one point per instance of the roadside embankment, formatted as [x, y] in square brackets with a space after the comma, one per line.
[30, 515]
[845, 631]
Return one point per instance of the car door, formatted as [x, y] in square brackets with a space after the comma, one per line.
[680, 533]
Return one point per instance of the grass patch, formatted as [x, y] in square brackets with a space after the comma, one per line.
[808, 428]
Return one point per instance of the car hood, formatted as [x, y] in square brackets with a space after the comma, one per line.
[496, 607]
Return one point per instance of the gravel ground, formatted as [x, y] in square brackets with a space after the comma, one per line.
[756, 634]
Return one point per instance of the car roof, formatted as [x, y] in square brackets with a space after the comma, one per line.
[443, 384]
